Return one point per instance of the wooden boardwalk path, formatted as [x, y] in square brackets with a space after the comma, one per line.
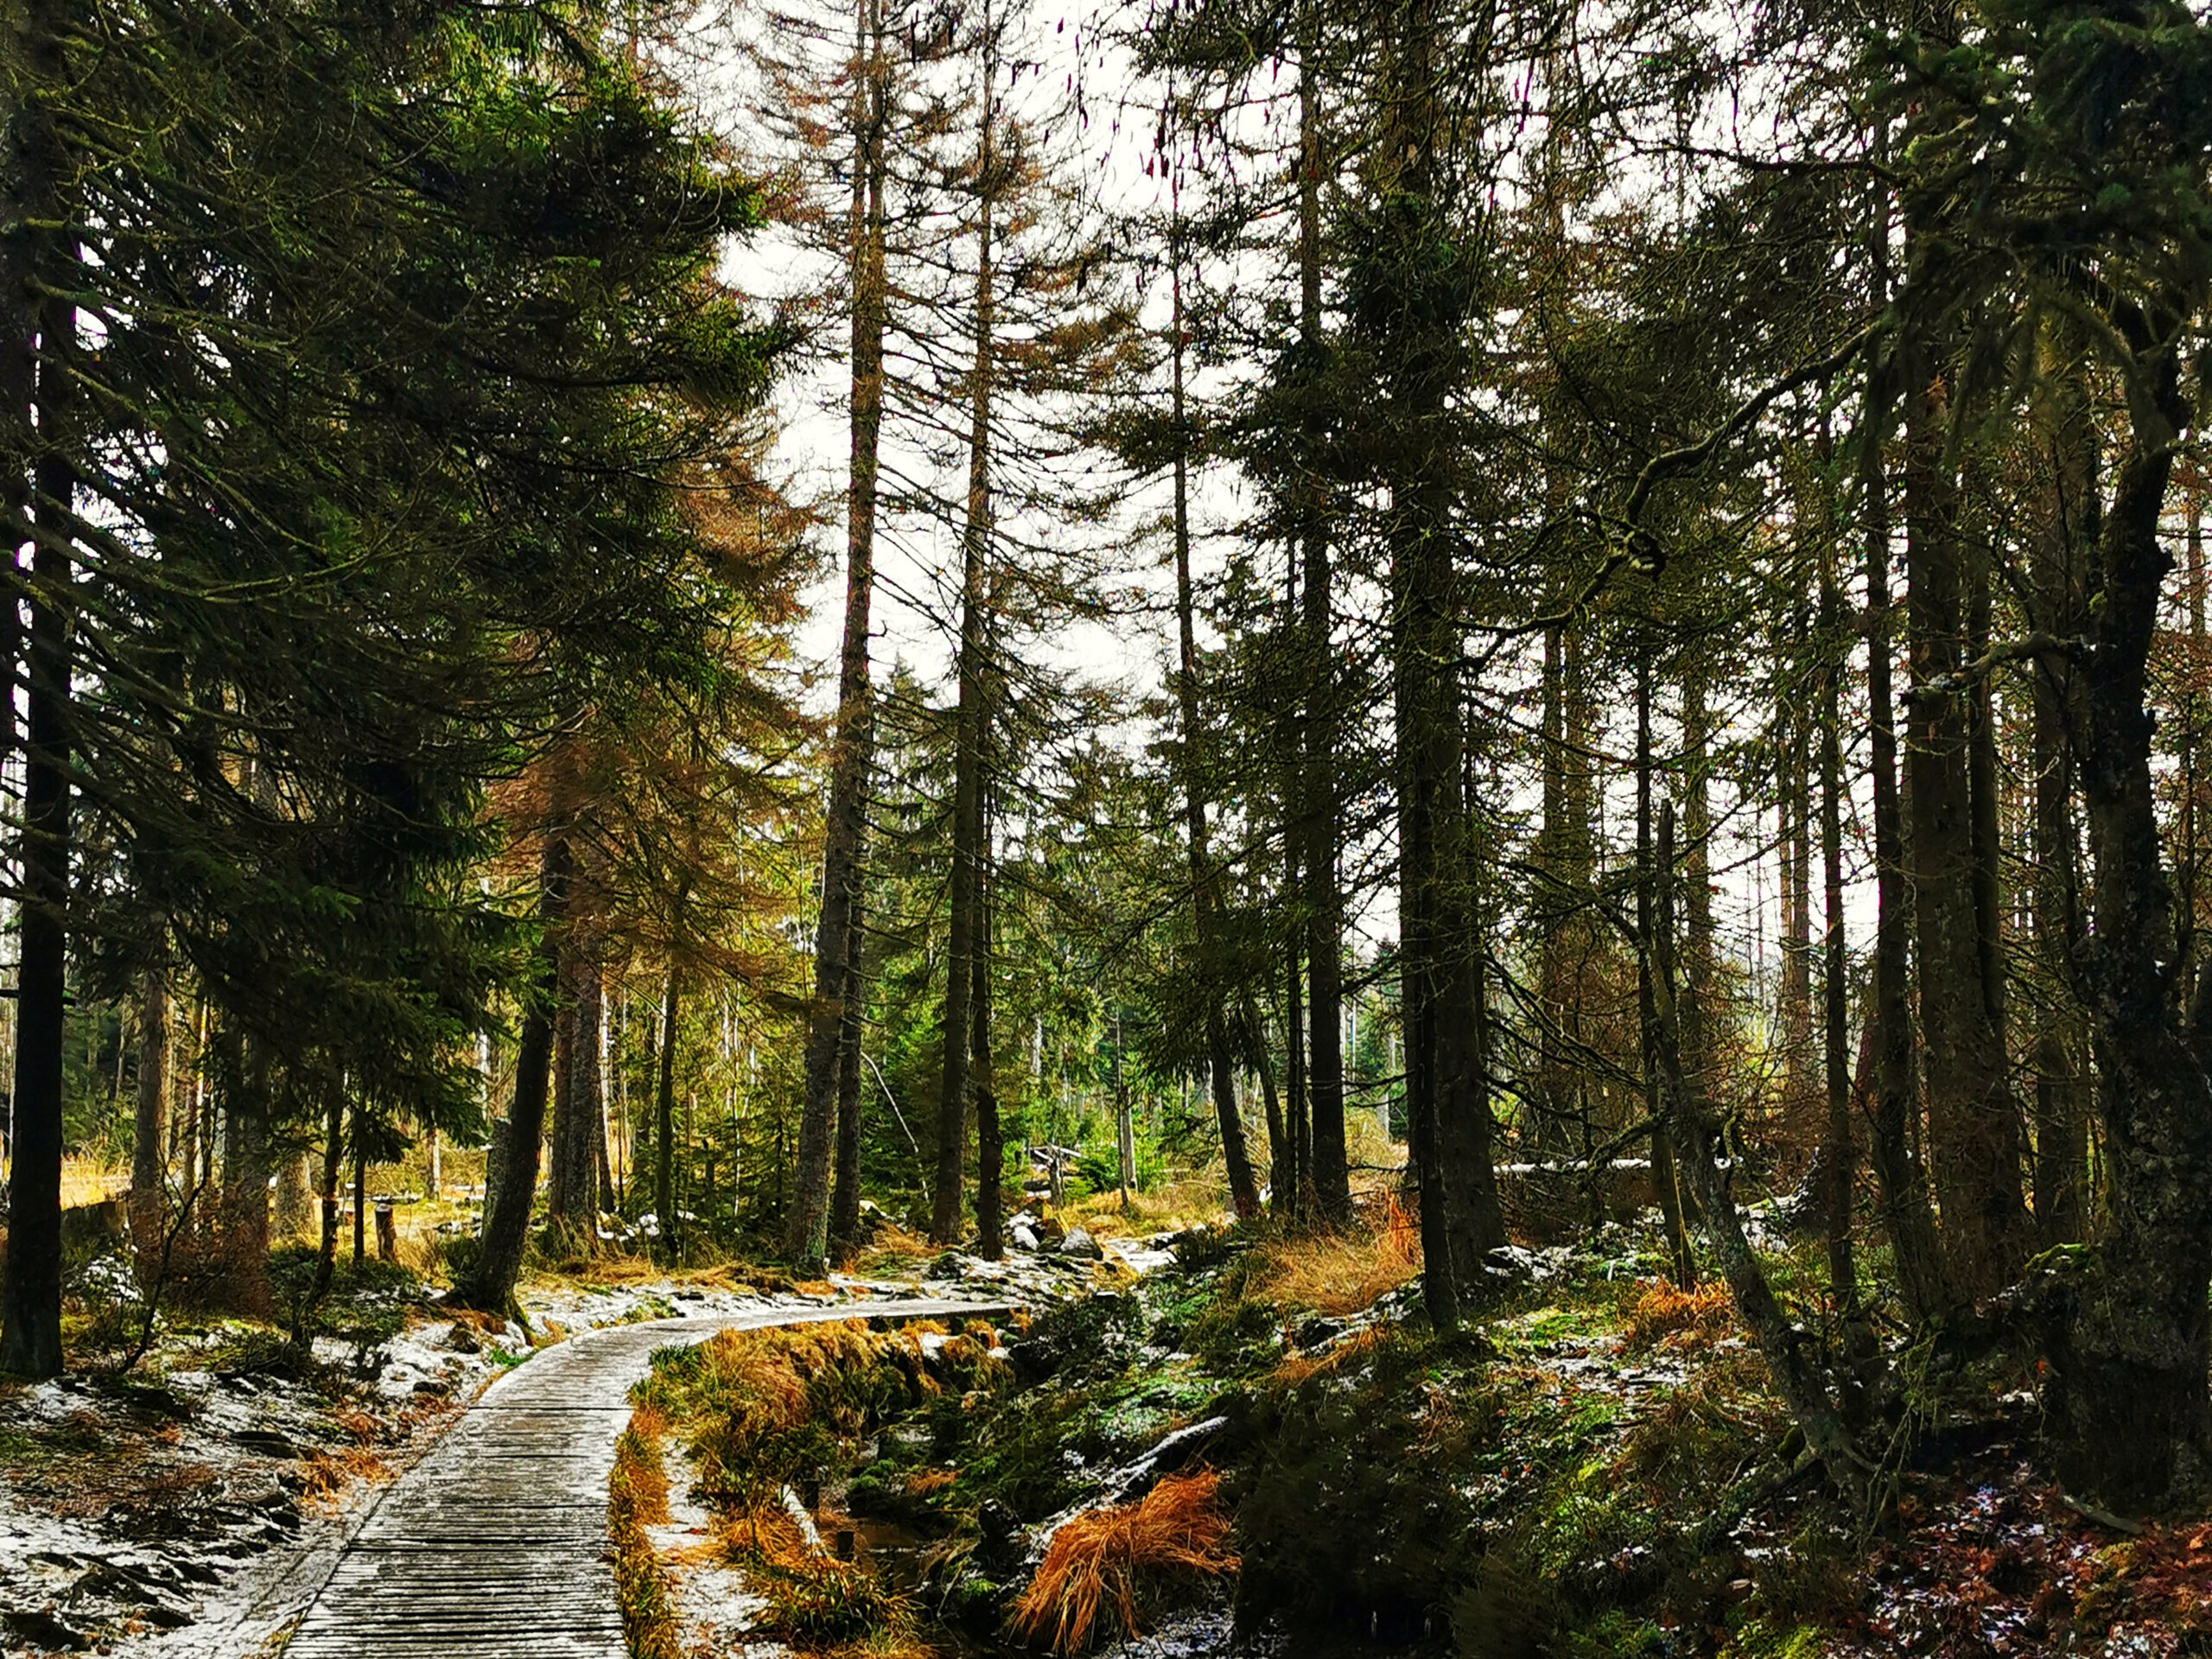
[494, 1545]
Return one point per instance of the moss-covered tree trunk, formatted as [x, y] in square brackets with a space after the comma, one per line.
[2126, 1400]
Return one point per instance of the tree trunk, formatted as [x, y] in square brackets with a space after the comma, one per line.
[326, 1264]
[845, 1195]
[563, 1207]
[1910, 1224]
[990, 1144]
[510, 1171]
[2126, 1398]
[1973, 1124]
[360, 1181]
[1839, 1157]
[294, 1200]
[30, 1291]
[1446, 1096]
[2065, 541]
[149, 1131]
[671, 1234]
[806, 1225]
[972, 716]
[1289, 1173]
[1324, 1170]
[1271, 1101]
[1205, 893]
[579, 1114]
[1803, 1112]
[243, 1217]
[1665, 1170]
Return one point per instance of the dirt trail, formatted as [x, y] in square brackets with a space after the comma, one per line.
[494, 1544]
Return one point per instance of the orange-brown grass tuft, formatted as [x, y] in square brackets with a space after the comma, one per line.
[365, 1428]
[922, 1481]
[325, 1477]
[1099, 1563]
[892, 1247]
[1342, 1272]
[761, 1533]
[1661, 1315]
[1296, 1370]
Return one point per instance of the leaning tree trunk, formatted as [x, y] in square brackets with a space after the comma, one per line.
[1789, 1356]
[510, 1174]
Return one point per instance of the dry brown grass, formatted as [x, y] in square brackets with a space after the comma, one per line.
[759, 1531]
[645, 1472]
[1100, 1563]
[890, 1251]
[327, 1477]
[488, 1324]
[1192, 1200]
[1295, 1369]
[1662, 1315]
[1338, 1274]
[637, 1498]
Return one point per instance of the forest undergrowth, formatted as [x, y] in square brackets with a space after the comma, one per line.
[1599, 1466]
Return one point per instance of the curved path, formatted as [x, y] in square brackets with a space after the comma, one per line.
[495, 1544]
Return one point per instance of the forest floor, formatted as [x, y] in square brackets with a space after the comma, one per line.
[1216, 1441]
[1259, 1448]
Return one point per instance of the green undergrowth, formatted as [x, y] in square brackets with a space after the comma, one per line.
[761, 1409]
[1573, 1477]
[799, 1409]
[1569, 1481]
